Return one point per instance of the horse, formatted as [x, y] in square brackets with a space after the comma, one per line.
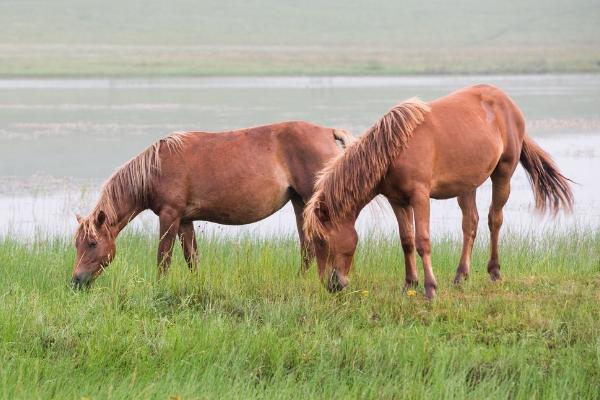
[235, 177]
[442, 149]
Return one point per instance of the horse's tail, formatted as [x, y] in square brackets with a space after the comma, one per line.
[551, 189]
[344, 137]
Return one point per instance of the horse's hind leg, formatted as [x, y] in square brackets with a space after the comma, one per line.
[307, 251]
[500, 193]
[187, 236]
[404, 216]
[470, 220]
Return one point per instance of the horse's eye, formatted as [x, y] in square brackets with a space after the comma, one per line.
[92, 244]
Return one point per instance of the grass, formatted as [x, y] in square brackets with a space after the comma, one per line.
[247, 326]
[269, 37]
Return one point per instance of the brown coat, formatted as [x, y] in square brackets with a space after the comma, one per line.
[235, 177]
[417, 151]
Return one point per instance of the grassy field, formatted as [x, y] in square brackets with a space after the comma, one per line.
[247, 326]
[269, 37]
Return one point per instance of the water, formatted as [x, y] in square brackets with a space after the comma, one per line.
[59, 139]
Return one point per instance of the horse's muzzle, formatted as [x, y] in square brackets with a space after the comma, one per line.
[336, 282]
[80, 281]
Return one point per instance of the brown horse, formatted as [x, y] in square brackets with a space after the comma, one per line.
[417, 151]
[233, 178]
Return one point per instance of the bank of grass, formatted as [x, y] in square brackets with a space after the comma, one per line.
[247, 326]
[71, 38]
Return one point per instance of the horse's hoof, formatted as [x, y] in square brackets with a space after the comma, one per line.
[460, 278]
[495, 275]
[410, 285]
[430, 292]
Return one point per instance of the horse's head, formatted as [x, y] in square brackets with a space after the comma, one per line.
[95, 246]
[338, 241]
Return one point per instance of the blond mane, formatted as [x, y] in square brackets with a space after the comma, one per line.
[349, 180]
[132, 182]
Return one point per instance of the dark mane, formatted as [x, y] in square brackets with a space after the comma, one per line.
[133, 182]
[350, 178]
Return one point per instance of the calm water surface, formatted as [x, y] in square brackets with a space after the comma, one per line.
[59, 139]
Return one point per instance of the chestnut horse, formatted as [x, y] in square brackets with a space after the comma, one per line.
[417, 151]
[233, 178]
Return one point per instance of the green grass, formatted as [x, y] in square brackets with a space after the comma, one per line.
[269, 37]
[247, 326]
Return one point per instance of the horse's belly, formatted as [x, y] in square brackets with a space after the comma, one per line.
[463, 169]
[238, 204]
[453, 187]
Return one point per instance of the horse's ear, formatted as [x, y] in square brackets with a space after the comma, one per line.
[100, 218]
[79, 218]
[322, 212]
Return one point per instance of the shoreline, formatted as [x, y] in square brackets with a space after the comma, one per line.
[595, 72]
[282, 81]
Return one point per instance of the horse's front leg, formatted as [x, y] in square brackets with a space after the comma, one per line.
[420, 205]
[169, 226]
[307, 248]
[187, 237]
[404, 216]
[322, 256]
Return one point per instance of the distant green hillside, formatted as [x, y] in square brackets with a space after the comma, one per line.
[185, 37]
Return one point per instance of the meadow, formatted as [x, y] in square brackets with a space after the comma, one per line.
[246, 325]
[71, 38]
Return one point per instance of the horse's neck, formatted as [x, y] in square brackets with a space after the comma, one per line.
[125, 212]
[124, 219]
[368, 199]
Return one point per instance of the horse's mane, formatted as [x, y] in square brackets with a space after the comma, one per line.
[132, 182]
[349, 180]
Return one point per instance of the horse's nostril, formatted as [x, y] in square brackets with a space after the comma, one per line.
[336, 284]
[76, 282]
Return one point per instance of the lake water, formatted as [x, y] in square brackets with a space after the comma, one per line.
[59, 139]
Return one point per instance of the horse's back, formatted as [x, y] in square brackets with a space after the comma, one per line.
[243, 176]
[460, 143]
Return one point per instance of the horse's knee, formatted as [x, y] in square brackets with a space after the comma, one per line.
[423, 245]
[475, 219]
[408, 245]
[495, 219]
[474, 224]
